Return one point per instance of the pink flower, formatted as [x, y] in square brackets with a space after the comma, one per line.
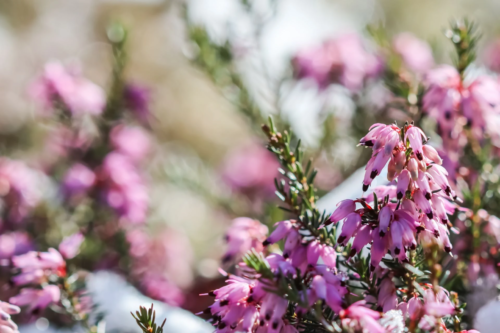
[442, 99]
[21, 188]
[491, 55]
[243, 235]
[415, 53]
[131, 141]
[438, 305]
[37, 299]
[387, 297]
[251, 170]
[281, 231]
[343, 60]
[137, 101]
[6, 323]
[36, 267]
[344, 208]
[160, 288]
[70, 246]
[124, 188]
[349, 227]
[78, 180]
[161, 263]
[14, 243]
[366, 318]
[58, 83]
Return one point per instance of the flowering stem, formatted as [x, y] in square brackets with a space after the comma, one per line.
[299, 193]
[72, 307]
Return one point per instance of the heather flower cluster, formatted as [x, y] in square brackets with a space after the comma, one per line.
[83, 203]
[457, 105]
[389, 228]
[344, 60]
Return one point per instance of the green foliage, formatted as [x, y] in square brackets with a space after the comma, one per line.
[464, 36]
[145, 318]
[296, 188]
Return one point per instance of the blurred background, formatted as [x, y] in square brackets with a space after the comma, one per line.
[215, 70]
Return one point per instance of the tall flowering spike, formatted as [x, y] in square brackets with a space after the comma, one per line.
[391, 221]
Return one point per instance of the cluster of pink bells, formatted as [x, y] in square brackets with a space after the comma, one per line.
[413, 211]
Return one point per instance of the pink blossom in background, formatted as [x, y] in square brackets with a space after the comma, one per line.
[78, 180]
[415, 53]
[124, 188]
[78, 94]
[131, 141]
[20, 188]
[243, 235]
[251, 170]
[37, 299]
[70, 246]
[344, 60]
[160, 288]
[491, 56]
[61, 141]
[137, 99]
[14, 243]
[313, 63]
[455, 105]
[162, 262]
[6, 323]
[481, 106]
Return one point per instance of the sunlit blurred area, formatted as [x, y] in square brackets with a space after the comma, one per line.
[186, 86]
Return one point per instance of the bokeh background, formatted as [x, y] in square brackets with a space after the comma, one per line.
[201, 123]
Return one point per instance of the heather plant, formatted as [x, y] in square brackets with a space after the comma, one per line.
[84, 203]
[404, 256]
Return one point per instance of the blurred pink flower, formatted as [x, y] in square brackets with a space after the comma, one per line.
[162, 263]
[366, 318]
[20, 187]
[14, 243]
[243, 235]
[137, 100]
[6, 323]
[251, 170]
[78, 180]
[343, 60]
[124, 188]
[36, 267]
[70, 246]
[37, 299]
[131, 141]
[58, 83]
[416, 53]
[158, 287]
[491, 56]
